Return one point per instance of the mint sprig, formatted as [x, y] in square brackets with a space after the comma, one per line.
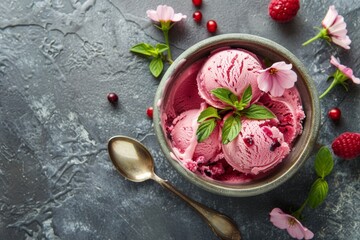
[156, 65]
[234, 111]
[323, 166]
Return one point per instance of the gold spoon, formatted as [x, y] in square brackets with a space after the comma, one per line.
[134, 162]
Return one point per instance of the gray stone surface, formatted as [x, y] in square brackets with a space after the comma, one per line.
[59, 59]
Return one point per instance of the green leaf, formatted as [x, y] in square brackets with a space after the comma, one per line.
[257, 112]
[318, 193]
[225, 95]
[246, 97]
[231, 129]
[205, 129]
[145, 49]
[209, 112]
[161, 47]
[156, 66]
[324, 162]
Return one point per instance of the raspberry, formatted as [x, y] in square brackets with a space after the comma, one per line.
[347, 145]
[283, 10]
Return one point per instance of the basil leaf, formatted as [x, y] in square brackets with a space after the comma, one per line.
[205, 129]
[209, 112]
[225, 95]
[246, 97]
[318, 193]
[257, 112]
[161, 47]
[144, 49]
[156, 66]
[324, 162]
[231, 129]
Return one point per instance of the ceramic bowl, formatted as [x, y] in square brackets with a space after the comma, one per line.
[262, 47]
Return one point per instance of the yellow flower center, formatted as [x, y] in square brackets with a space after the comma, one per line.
[273, 71]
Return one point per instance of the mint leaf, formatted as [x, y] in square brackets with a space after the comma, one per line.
[246, 98]
[209, 112]
[225, 95]
[144, 49]
[318, 193]
[257, 112]
[205, 129]
[231, 129]
[323, 162]
[161, 47]
[156, 66]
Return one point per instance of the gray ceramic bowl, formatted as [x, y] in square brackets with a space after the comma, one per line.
[308, 92]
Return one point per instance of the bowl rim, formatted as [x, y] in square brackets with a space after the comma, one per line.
[305, 151]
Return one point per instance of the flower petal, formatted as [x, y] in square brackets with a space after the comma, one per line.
[296, 230]
[342, 42]
[330, 17]
[334, 61]
[286, 79]
[308, 234]
[338, 28]
[165, 13]
[177, 17]
[281, 66]
[277, 90]
[152, 14]
[279, 218]
[264, 81]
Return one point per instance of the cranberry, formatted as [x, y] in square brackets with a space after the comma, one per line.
[150, 112]
[112, 97]
[197, 16]
[211, 26]
[197, 3]
[249, 141]
[334, 114]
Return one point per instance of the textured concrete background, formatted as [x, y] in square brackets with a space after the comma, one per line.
[59, 59]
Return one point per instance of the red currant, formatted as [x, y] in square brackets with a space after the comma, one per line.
[334, 114]
[150, 112]
[197, 3]
[197, 16]
[112, 97]
[211, 26]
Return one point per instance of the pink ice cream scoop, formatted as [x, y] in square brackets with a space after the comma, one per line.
[259, 147]
[233, 69]
[288, 110]
[185, 145]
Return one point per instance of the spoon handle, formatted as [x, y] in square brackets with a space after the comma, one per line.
[222, 226]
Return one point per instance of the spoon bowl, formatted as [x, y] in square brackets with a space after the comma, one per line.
[132, 159]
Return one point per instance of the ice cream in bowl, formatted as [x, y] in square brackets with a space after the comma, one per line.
[236, 114]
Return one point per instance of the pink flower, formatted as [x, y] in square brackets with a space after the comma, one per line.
[341, 75]
[290, 223]
[164, 13]
[334, 29]
[277, 78]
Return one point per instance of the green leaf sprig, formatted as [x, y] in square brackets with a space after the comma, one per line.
[235, 110]
[155, 53]
[324, 164]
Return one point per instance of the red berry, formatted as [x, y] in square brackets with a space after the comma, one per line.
[112, 97]
[334, 114]
[211, 26]
[283, 10]
[150, 112]
[347, 145]
[197, 3]
[197, 16]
